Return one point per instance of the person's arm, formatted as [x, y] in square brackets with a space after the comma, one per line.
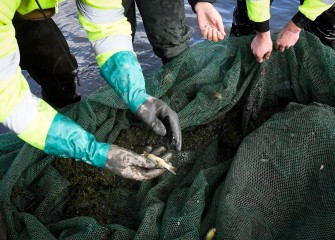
[38, 124]
[308, 11]
[110, 34]
[259, 14]
[20, 111]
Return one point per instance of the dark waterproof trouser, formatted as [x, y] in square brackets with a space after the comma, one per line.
[323, 26]
[164, 23]
[49, 64]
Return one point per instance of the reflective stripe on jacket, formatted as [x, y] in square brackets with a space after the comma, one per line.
[107, 28]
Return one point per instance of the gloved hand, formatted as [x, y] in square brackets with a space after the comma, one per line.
[209, 21]
[129, 164]
[261, 46]
[67, 139]
[123, 73]
[287, 37]
[155, 113]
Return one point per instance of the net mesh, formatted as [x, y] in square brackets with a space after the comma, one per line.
[257, 160]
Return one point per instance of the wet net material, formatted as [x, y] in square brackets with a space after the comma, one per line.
[268, 172]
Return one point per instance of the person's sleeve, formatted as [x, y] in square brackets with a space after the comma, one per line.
[32, 119]
[194, 2]
[310, 10]
[20, 111]
[259, 14]
[107, 28]
[110, 35]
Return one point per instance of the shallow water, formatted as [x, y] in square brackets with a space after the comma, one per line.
[90, 79]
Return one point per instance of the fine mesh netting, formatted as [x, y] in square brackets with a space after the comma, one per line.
[257, 159]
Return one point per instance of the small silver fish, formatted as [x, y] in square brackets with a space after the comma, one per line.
[160, 162]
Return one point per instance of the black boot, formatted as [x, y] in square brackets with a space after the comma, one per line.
[59, 101]
[60, 90]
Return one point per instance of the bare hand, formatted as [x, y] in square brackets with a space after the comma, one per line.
[261, 46]
[209, 21]
[287, 37]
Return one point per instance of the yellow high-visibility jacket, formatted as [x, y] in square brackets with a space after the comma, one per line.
[259, 12]
[21, 111]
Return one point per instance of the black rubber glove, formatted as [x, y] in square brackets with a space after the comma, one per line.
[162, 120]
[129, 164]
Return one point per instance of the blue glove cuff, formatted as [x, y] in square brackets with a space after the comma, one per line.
[67, 139]
[123, 73]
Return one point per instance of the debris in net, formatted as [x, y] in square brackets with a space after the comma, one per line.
[211, 233]
[218, 96]
[322, 167]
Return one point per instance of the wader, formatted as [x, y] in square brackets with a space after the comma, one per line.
[47, 63]
[323, 26]
[164, 23]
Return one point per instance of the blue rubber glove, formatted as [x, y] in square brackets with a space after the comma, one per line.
[68, 140]
[123, 73]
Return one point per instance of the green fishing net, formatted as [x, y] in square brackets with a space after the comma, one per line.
[258, 160]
